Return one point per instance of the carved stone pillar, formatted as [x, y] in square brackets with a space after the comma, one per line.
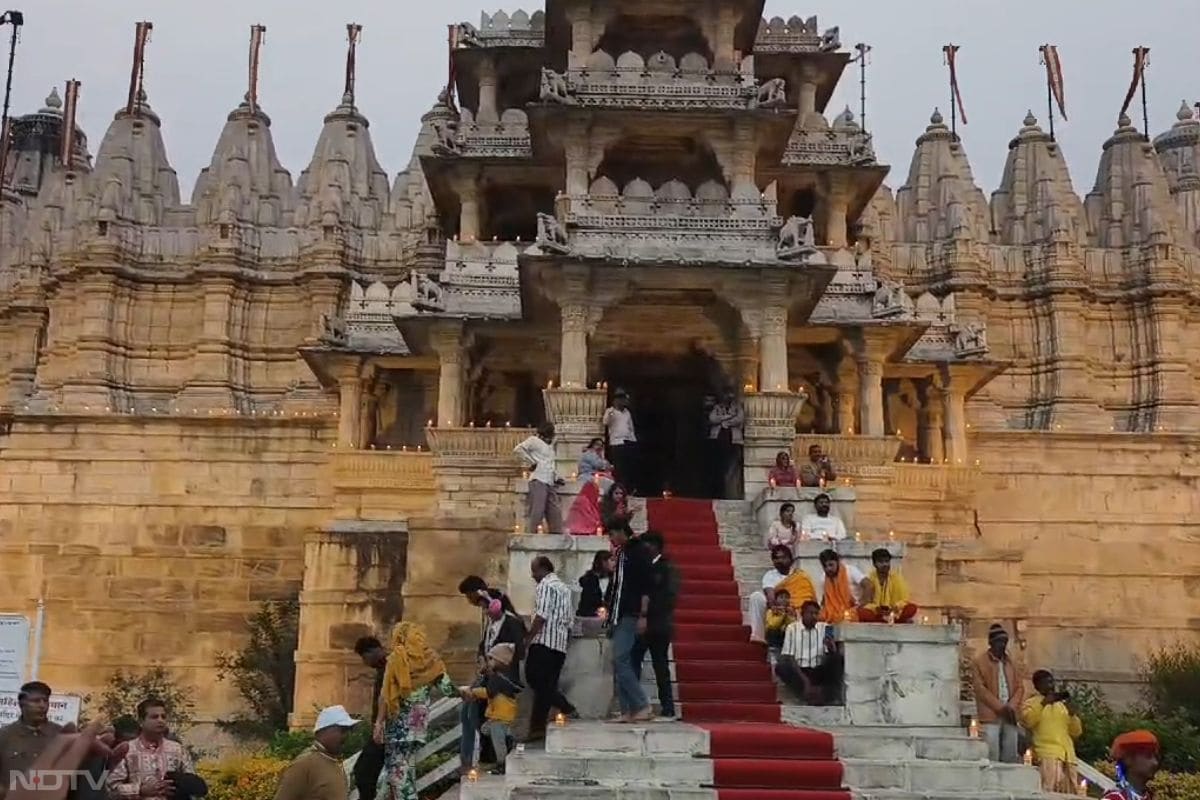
[468, 217]
[773, 352]
[807, 94]
[723, 44]
[581, 36]
[954, 400]
[576, 153]
[488, 114]
[350, 401]
[847, 398]
[931, 424]
[870, 385]
[448, 342]
[836, 207]
[578, 320]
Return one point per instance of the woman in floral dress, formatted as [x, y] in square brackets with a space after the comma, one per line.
[414, 677]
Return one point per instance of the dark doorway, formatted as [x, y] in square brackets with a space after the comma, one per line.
[667, 395]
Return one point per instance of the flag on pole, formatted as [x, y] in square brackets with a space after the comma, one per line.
[70, 101]
[451, 72]
[353, 31]
[1054, 77]
[1141, 56]
[951, 53]
[141, 37]
[257, 36]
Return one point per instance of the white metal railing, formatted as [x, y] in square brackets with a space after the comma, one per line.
[1095, 777]
[446, 740]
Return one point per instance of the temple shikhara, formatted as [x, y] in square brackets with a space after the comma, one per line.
[313, 387]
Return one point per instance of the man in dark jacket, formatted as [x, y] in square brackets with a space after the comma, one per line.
[370, 760]
[629, 619]
[660, 621]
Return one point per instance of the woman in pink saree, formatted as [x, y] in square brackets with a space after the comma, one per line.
[595, 477]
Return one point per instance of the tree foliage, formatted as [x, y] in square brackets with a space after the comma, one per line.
[264, 671]
[126, 688]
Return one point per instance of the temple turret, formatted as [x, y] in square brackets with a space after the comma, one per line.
[244, 183]
[343, 185]
[1036, 201]
[940, 200]
[1131, 202]
[36, 141]
[1179, 152]
[133, 181]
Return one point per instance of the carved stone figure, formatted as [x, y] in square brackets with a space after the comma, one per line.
[970, 339]
[772, 94]
[831, 40]
[554, 88]
[891, 301]
[427, 293]
[447, 137]
[333, 331]
[551, 235]
[796, 237]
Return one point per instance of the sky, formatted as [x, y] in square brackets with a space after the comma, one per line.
[196, 68]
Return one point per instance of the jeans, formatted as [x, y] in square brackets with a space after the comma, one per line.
[1001, 737]
[630, 696]
[543, 667]
[658, 644]
[471, 717]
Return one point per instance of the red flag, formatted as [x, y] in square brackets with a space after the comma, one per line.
[1054, 77]
[951, 53]
[1140, 56]
[70, 101]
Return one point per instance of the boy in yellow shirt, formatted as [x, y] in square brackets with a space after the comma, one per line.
[1054, 725]
[779, 616]
[501, 692]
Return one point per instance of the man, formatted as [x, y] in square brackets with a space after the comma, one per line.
[151, 756]
[809, 662]
[1054, 724]
[783, 575]
[660, 621]
[819, 469]
[838, 588]
[999, 693]
[317, 773]
[822, 525]
[631, 588]
[537, 453]
[370, 760]
[725, 424]
[885, 596]
[546, 644]
[622, 440]
[1136, 755]
[21, 742]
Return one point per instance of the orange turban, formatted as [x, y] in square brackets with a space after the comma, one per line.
[1133, 741]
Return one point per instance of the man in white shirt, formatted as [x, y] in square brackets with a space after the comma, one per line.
[538, 454]
[546, 645]
[810, 663]
[822, 525]
[622, 441]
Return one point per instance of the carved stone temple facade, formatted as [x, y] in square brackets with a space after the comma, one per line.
[314, 386]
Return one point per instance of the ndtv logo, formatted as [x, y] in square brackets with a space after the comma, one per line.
[49, 780]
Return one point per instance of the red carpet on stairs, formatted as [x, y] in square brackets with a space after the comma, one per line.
[725, 684]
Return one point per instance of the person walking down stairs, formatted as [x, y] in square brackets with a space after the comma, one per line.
[660, 621]
[630, 603]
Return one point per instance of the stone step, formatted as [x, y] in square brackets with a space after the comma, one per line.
[654, 770]
[653, 739]
[900, 746]
[490, 787]
[939, 776]
[891, 794]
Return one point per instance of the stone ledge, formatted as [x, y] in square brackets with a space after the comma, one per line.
[899, 634]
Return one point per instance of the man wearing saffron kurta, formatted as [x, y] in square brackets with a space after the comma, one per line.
[1054, 725]
[839, 588]
[783, 576]
[885, 596]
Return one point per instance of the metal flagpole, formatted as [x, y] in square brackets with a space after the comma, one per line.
[39, 628]
[1145, 104]
[862, 49]
[16, 19]
[257, 37]
[1050, 104]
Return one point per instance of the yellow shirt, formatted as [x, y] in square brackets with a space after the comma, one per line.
[1054, 729]
[776, 620]
[500, 707]
[893, 594]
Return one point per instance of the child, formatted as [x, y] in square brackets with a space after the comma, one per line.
[500, 691]
[779, 616]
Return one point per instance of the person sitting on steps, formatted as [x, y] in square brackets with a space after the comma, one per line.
[784, 530]
[819, 469]
[779, 616]
[783, 474]
[810, 662]
[784, 575]
[885, 596]
[822, 525]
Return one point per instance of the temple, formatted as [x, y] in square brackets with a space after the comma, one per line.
[313, 388]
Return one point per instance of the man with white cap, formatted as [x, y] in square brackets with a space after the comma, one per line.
[317, 773]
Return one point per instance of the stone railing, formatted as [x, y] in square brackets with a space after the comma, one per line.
[660, 83]
[938, 480]
[519, 29]
[484, 444]
[481, 278]
[793, 36]
[829, 148]
[382, 469]
[506, 138]
[851, 455]
[772, 414]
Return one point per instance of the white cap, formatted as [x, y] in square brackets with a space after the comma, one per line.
[334, 716]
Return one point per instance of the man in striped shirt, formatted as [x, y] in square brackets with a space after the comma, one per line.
[810, 662]
[546, 645]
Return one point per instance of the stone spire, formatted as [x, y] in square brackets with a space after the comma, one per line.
[343, 185]
[939, 200]
[1036, 201]
[36, 141]
[1131, 203]
[133, 180]
[1179, 153]
[244, 183]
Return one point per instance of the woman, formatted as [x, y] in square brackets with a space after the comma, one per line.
[614, 507]
[594, 584]
[784, 530]
[415, 674]
[784, 472]
[595, 473]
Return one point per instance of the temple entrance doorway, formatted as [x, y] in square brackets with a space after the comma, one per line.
[668, 396]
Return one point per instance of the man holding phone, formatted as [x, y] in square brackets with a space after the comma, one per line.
[810, 663]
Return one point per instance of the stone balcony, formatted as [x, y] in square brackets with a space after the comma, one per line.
[507, 137]
[519, 29]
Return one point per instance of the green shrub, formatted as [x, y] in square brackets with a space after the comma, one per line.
[289, 744]
[252, 778]
[1172, 682]
[1101, 724]
[125, 689]
[264, 671]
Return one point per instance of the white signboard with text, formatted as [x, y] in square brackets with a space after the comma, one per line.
[14, 650]
[64, 708]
